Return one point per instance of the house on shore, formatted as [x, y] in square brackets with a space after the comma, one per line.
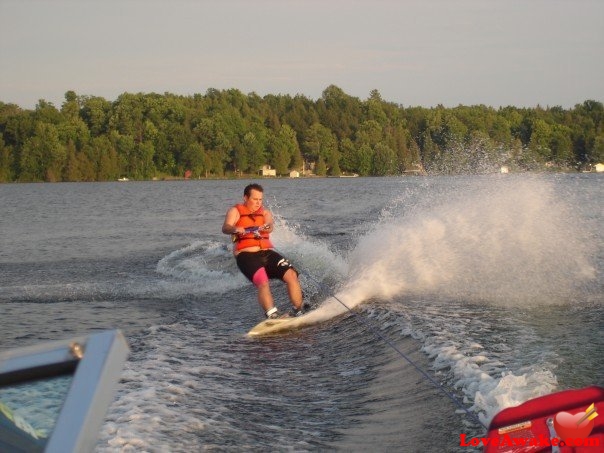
[266, 171]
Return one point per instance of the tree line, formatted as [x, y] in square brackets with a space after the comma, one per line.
[226, 133]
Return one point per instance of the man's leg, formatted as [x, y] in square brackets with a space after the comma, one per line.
[293, 288]
[265, 297]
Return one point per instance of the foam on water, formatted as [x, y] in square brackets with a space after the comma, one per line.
[156, 393]
[469, 350]
[208, 266]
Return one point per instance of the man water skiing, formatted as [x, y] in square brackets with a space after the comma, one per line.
[250, 226]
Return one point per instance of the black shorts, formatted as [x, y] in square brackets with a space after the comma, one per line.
[275, 265]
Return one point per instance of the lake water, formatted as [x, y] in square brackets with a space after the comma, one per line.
[492, 285]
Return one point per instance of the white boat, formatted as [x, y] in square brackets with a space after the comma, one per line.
[90, 366]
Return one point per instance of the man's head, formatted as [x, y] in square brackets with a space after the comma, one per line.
[248, 189]
[252, 196]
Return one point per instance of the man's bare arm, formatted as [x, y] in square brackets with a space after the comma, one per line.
[231, 218]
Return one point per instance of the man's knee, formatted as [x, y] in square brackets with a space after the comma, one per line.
[290, 275]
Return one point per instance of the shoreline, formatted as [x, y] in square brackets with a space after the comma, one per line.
[264, 178]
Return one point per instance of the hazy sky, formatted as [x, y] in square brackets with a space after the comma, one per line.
[416, 52]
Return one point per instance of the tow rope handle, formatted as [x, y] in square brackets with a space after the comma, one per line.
[254, 229]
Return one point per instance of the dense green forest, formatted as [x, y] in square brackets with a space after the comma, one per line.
[227, 133]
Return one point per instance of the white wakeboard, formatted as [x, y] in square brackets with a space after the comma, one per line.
[271, 326]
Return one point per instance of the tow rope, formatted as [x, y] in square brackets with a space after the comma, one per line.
[367, 325]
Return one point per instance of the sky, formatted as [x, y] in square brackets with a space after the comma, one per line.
[522, 53]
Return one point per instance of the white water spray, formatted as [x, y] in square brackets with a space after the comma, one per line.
[501, 241]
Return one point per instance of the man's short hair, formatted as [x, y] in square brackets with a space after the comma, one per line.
[248, 189]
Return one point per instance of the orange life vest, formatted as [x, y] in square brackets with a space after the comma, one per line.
[249, 219]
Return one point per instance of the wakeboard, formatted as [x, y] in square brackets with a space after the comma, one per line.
[278, 325]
